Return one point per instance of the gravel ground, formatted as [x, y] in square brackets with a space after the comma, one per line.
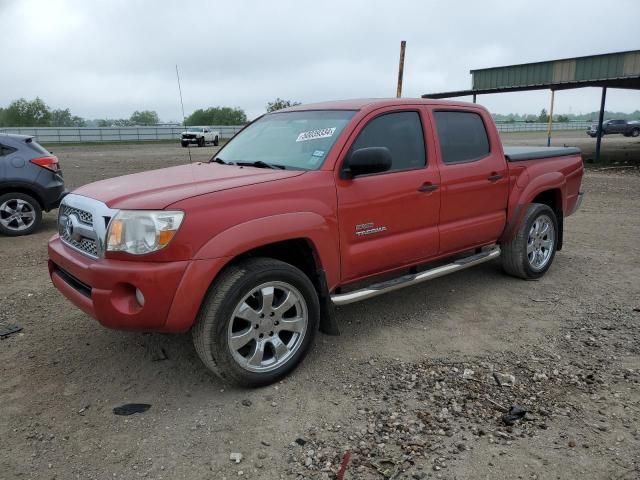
[420, 384]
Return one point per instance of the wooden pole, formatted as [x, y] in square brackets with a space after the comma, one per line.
[403, 45]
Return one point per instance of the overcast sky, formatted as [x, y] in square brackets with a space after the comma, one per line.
[109, 58]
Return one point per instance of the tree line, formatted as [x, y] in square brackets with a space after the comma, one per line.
[36, 113]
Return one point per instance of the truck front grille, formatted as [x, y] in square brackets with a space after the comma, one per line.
[82, 224]
[85, 245]
[84, 217]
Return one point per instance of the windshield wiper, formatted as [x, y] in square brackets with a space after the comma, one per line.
[220, 161]
[261, 164]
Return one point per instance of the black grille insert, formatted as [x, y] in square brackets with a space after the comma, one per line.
[81, 287]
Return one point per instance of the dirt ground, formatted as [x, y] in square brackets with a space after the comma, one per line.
[416, 386]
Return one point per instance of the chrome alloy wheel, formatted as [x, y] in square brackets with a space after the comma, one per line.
[540, 242]
[267, 327]
[17, 214]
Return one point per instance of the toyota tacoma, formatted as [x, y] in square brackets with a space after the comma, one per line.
[309, 208]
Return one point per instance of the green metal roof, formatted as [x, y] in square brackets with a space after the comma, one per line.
[618, 70]
[594, 67]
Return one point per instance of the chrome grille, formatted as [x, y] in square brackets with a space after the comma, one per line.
[84, 217]
[82, 224]
[85, 245]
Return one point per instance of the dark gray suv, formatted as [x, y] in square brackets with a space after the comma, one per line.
[30, 182]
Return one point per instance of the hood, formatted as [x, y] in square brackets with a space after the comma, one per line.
[157, 189]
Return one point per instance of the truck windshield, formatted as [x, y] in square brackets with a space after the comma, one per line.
[194, 129]
[294, 140]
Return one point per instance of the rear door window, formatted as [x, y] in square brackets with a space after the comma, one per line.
[401, 133]
[6, 150]
[462, 135]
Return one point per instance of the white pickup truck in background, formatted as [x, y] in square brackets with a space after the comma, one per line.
[199, 136]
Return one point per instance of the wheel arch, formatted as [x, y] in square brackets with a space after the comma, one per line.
[303, 239]
[548, 189]
[553, 199]
[22, 188]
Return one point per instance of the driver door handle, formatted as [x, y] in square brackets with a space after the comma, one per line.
[428, 187]
[494, 177]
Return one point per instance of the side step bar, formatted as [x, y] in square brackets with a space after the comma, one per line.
[413, 279]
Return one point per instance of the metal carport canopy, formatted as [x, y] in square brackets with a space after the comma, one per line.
[614, 70]
[609, 70]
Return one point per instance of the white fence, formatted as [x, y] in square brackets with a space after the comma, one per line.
[540, 127]
[110, 134]
[141, 134]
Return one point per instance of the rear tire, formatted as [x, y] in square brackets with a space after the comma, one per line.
[531, 252]
[20, 214]
[246, 331]
[215, 142]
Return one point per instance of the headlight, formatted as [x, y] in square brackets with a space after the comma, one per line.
[142, 231]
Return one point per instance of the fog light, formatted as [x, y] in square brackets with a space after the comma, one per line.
[139, 297]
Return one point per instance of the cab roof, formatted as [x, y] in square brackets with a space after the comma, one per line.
[375, 103]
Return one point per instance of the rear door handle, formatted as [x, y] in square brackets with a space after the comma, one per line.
[494, 177]
[428, 187]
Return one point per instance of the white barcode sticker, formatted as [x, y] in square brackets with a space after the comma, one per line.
[314, 134]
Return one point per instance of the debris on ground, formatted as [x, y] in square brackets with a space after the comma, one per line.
[235, 457]
[131, 408]
[7, 329]
[516, 413]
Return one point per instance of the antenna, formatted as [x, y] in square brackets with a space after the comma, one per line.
[184, 119]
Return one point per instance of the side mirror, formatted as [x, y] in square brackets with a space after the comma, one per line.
[365, 161]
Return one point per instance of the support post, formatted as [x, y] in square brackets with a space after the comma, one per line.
[550, 119]
[600, 120]
[474, 98]
[403, 45]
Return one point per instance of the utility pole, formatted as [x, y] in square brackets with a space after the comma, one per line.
[403, 45]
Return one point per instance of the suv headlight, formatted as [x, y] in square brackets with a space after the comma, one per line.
[142, 231]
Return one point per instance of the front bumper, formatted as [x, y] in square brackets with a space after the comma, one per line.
[106, 289]
[190, 140]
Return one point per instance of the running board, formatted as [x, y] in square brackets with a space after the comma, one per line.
[413, 279]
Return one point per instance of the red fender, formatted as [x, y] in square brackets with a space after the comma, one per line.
[276, 228]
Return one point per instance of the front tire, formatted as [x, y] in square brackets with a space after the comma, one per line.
[20, 214]
[257, 322]
[215, 142]
[635, 132]
[201, 142]
[531, 252]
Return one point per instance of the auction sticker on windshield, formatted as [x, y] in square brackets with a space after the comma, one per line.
[314, 134]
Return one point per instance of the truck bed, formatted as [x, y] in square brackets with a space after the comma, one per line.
[516, 154]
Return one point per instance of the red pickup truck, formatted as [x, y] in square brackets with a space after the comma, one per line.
[308, 208]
